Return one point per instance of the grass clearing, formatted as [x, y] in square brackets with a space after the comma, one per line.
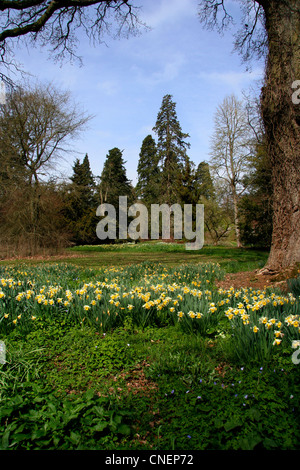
[231, 259]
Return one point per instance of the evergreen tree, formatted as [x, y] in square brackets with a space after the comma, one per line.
[203, 182]
[113, 180]
[81, 203]
[148, 185]
[186, 183]
[256, 206]
[114, 183]
[83, 181]
[171, 149]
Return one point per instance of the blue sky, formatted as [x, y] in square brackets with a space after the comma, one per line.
[123, 85]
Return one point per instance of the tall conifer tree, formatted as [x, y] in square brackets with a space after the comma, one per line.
[113, 180]
[148, 185]
[256, 205]
[80, 212]
[203, 181]
[114, 183]
[83, 181]
[186, 183]
[171, 149]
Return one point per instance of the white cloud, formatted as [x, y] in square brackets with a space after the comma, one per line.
[109, 87]
[170, 70]
[167, 11]
[231, 78]
[165, 71]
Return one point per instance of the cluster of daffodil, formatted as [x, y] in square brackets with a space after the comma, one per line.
[261, 320]
[149, 294]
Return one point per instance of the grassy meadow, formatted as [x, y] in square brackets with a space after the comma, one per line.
[231, 259]
[135, 347]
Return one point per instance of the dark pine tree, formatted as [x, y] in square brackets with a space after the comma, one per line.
[256, 206]
[113, 180]
[148, 185]
[83, 178]
[114, 183]
[171, 150]
[81, 204]
[186, 183]
[203, 182]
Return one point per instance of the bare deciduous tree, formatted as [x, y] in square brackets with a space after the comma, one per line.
[36, 126]
[216, 219]
[230, 150]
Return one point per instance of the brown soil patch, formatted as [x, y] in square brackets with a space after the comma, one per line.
[138, 383]
[134, 381]
[259, 281]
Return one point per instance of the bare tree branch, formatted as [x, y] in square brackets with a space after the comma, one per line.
[19, 5]
[231, 146]
[54, 23]
[251, 39]
[209, 14]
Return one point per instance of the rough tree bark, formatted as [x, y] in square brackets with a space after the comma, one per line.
[281, 115]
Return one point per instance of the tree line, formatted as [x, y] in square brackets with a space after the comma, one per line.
[269, 30]
[41, 213]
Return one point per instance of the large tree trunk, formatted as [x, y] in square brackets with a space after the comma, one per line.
[282, 124]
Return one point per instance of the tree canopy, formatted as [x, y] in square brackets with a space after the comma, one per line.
[80, 203]
[113, 181]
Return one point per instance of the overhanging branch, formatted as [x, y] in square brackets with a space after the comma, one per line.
[53, 23]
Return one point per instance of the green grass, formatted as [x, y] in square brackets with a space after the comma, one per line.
[232, 259]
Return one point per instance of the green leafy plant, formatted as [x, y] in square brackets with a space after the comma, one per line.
[47, 422]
